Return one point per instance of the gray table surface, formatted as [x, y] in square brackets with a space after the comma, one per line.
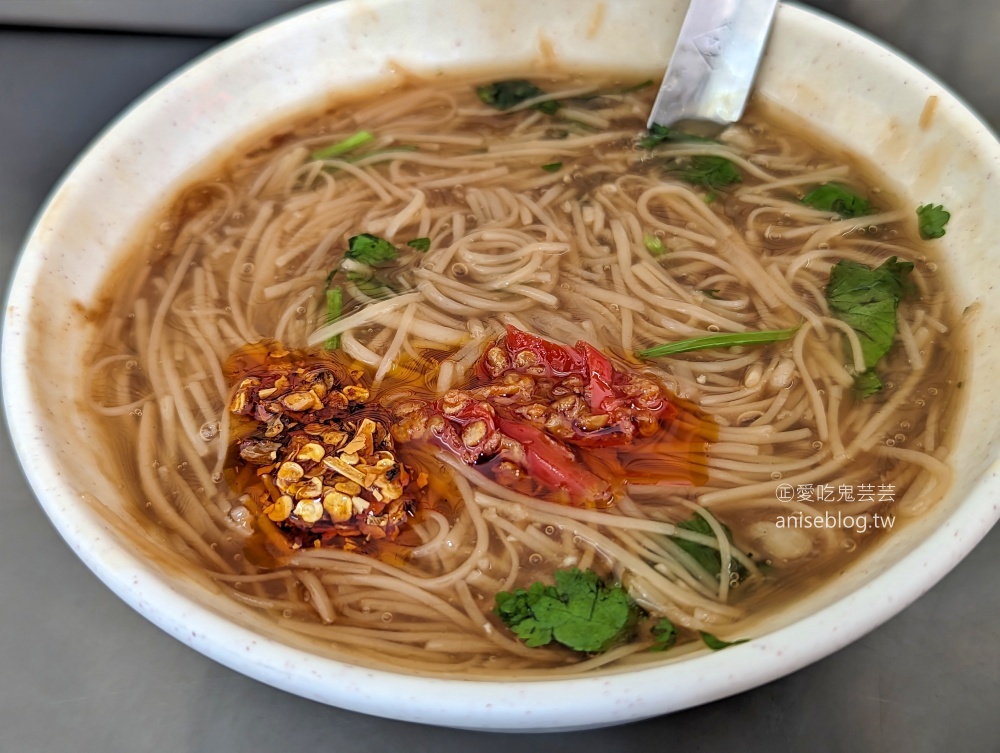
[80, 671]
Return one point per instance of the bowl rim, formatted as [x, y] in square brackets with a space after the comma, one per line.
[483, 704]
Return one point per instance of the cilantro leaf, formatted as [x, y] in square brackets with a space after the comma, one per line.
[504, 95]
[867, 383]
[932, 220]
[514, 608]
[658, 134]
[709, 171]
[664, 635]
[420, 244]
[580, 611]
[717, 644]
[370, 249]
[867, 299]
[836, 197]
[552, 167]
[707, 556]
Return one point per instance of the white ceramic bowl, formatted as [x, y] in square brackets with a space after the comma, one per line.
[846, 86]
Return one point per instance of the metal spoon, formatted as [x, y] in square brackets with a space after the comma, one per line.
[714, 63]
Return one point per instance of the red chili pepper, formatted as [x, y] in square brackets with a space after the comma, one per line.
[553, 464]
[601, 374]
[561, 360]
[449, 436]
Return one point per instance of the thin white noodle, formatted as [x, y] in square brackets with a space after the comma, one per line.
[562, 254]
[394, 347]
[364, 316]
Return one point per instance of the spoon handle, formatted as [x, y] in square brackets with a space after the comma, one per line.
[715, 61]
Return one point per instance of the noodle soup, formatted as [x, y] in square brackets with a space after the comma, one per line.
[410, 376]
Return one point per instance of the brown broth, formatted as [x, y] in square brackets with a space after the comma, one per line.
[772, 232]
